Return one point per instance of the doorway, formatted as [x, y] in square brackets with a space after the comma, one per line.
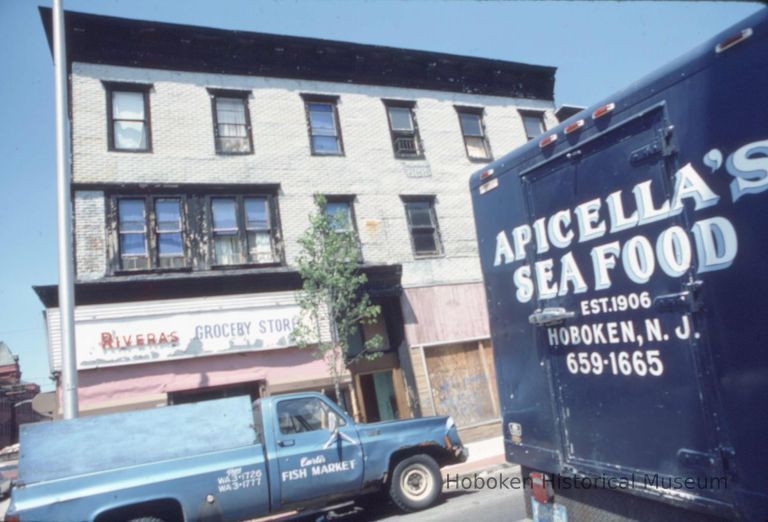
[378, 393]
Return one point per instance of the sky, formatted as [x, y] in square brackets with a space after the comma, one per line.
[597, 47]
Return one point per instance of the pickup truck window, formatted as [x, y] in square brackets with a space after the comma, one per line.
[303, 415]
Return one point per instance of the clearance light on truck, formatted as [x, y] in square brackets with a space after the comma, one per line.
[733, 40]
[574, 126]
[487, 184]
[549, 140]
[602, 111]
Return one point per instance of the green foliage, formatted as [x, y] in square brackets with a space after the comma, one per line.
[333, 291]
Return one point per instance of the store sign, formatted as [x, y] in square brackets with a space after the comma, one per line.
[106, 337]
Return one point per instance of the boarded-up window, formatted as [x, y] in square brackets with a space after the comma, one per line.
[460, 387]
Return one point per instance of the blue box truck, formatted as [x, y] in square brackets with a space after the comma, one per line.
[625, 257]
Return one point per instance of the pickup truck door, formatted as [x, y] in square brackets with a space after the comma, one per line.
[314, 459]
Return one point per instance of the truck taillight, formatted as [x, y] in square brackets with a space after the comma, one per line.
[733, 40]
[11, 517]
[486, 174]
[541, 487]
[602, 111]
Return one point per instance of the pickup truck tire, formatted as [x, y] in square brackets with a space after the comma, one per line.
[146, 519]
[415, 483]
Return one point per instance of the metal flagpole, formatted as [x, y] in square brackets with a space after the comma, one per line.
[64, 215]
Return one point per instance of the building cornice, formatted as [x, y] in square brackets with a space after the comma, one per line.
[127, 42]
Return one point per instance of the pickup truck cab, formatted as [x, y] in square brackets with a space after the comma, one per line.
[224, 460]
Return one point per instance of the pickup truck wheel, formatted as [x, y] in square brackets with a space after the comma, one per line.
[415, 483]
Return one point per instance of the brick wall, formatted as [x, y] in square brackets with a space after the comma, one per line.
[184, 152]
[90, 234]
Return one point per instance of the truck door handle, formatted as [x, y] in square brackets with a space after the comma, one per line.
[548, 316]
[286, 443]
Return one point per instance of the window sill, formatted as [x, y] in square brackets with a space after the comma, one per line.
[419, 257]
[123, 272]
[246, 265]
[249, 153]
[131, 151]
[420, 157]
[480, 160]
[327, 155]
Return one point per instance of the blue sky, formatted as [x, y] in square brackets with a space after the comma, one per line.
[598, 48]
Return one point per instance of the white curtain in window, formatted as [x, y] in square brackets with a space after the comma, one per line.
[128, 115]
[227, 250]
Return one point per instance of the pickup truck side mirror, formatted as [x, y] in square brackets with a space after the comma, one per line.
[333, 422]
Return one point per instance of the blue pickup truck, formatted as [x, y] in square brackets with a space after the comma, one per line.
[224, 460]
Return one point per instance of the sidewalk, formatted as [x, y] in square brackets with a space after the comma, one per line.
[484, 455]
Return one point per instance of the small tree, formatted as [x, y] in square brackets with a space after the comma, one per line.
[333, 290]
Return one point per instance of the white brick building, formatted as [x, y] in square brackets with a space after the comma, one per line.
[387, 133]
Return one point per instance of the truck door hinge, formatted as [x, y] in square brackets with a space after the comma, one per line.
[662, 145]
[689, 300]
[667, 147]
[698, 460]
[728, 458]
[720, 461]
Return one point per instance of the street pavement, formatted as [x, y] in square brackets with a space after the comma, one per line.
[491, 504]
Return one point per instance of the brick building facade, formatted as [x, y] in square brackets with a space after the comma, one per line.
[15, 398]
[196, 153]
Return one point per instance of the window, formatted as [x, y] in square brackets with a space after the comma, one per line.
[231, 122]
[403, 129]
[473, 130]
[339, 212]
[128, 117]
[341, 219]
[533, 121]
[132, 229]
[323, 122]
[241, 229]
[199, 229]
[304, 415]
[422, 223]
[150, 232]
[170, 249]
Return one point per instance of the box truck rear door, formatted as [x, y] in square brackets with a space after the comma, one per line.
[624, 370]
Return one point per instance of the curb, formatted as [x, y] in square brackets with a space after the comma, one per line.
[489, 463]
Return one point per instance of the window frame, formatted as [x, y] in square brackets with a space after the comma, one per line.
[144, 88]
[350, 201]
[431, 200]
[333, 101]
[242, 230]
[536, 114]
[480, 113]
[244, 96]
[394, 135]
[150, 231]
